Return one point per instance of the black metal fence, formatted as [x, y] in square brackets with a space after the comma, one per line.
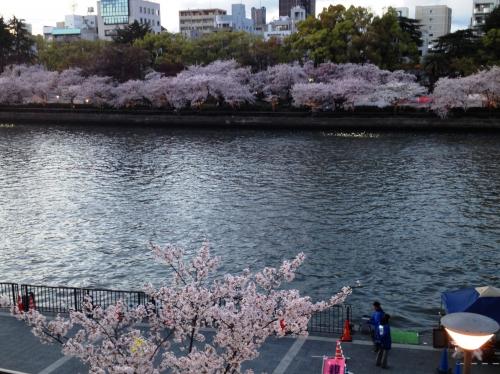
[49, 299]
[63, 299]
[331, 320]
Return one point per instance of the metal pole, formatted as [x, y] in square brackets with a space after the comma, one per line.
[467, 361]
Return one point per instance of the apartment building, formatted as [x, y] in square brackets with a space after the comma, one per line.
[480, 10]
[196, 22]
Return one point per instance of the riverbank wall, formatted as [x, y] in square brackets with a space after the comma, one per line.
[364, 120]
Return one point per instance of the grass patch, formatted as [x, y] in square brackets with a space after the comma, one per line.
[404, 336]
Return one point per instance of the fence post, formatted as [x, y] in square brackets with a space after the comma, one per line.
[15, 289]
[76, 300]
[26, 301]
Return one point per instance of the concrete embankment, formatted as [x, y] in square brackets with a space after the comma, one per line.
[355, 121]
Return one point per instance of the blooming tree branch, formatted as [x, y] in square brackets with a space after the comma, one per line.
[197, 323]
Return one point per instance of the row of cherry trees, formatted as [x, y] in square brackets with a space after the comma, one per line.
[320, 88]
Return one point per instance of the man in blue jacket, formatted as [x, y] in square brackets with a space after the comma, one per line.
[385, 341]
[374, 323]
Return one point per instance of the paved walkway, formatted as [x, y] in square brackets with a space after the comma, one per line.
[21, 351]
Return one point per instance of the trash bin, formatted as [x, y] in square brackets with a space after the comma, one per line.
[439, 337]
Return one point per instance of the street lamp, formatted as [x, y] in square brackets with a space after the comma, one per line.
[470, 331]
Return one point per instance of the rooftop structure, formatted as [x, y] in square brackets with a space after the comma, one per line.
[285, 6]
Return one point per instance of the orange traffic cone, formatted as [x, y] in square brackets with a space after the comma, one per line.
[32, 304]
[20, 306]
[346, 336]
[338, 350]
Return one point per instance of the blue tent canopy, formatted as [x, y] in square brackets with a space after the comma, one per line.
[480, 300]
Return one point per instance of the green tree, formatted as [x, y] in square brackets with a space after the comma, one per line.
[455, 54]
[491, 47]
[120, 61]
[168, 52]
[492, 21]
[412, 28]
[22, 42]
[65, 55]
[131, 33]
[337, 35]
[6, 40]
[222, 45]
[389, 45]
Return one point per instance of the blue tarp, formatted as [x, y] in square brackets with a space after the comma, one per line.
[469, 300]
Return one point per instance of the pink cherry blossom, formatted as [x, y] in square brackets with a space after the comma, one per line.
[240, 312]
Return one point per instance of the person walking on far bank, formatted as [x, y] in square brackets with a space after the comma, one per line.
[374, 323]
[385, 341]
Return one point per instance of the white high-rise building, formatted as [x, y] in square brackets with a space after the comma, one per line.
[118, 14]
[435, 21]
[480, 10]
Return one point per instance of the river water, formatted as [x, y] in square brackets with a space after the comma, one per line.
[408, 214]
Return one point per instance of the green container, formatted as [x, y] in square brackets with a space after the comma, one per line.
[404, 336]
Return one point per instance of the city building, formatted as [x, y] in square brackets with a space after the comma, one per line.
[285, 6]
[194, 23]
[403, 12]
[435, 21]
[236, 21]
[118, 14]
[480, 10]
[285, 26]
[29, 28]
[259, 17]
[74, 27]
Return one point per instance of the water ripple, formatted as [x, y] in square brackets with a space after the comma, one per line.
[409, 215]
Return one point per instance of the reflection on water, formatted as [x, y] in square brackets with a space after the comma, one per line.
[409, 215]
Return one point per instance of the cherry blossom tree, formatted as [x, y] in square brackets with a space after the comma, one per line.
[12, 91]
[68, 85]
[197, 323]
[394, 93]
[276, 83]
[97, 91]
[449, 93]
[463, 92]
[226, 68]
[129, 94]
[316, 96]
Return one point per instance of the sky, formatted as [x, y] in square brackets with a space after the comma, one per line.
[41, 13]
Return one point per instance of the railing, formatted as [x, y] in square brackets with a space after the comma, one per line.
[49, 299]
[63, 299]
[331, 320]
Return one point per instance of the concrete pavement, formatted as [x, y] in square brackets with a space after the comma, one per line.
[21, 351]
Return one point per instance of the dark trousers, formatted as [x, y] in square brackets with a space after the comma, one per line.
[382, 357]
